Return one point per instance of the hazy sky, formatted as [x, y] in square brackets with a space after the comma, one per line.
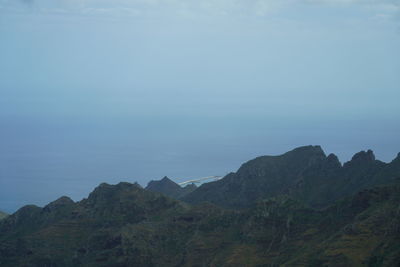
[107, 90]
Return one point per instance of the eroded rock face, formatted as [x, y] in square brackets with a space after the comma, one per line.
[262, 177]
[333, 162]
[125, 225]
[361, 158]
[279, 231]
[304, 173]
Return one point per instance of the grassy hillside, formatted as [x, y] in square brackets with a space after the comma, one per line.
[124, 225]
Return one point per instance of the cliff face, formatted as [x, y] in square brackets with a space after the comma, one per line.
[262, 177]
[305, 173]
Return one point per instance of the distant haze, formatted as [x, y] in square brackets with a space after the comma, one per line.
[109, 91]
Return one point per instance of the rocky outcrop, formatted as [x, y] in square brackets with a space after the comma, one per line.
[360, 230]
[304, 173]
[169, 188]
[125, 225]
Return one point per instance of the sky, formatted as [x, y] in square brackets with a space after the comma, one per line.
[98, 91]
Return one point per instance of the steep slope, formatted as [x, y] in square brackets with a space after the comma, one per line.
[165, 186]
[259, 178]
[304, 173]
[65, 228]
[187, 190]
[390, 172]
[362, 230]
[323, 184]
[169, 188]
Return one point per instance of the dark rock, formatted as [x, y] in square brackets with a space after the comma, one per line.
[362, 157]
[262, 177]
[305, 173]
[169, 188]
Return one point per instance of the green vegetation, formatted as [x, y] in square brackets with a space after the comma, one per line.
[3, 215]
[305, 173]
[126, 225]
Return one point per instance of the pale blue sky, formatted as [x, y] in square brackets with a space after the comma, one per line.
[108, 90]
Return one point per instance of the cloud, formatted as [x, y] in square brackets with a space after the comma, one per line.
[196, 8]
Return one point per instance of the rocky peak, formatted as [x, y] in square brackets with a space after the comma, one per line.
[366, 156]
[307, 149]
[59, 203]
[106, 192]
[167, 187]
[362, 157]
[164, 183]
[296, 160]
[166, 179]
[64, 200]
[307, 154]
[333, 161]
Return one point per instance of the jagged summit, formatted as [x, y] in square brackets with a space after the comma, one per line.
[333, 161]
[297, 158]
[165, 186]
[166, 179]
[135, 227]
[126, 225]
[305, 172]
[362, 157]
[264, 176]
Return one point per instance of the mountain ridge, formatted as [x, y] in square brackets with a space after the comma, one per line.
[359, 230]
[305, 173]
[125, 225]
